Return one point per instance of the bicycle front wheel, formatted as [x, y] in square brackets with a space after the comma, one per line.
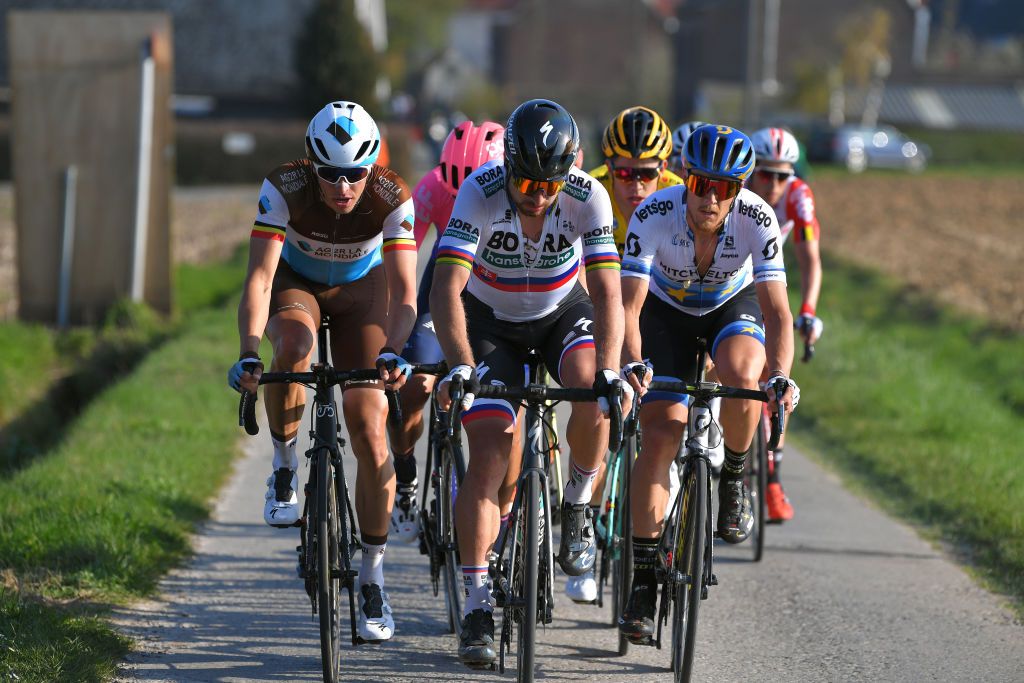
[688, 568]
[328, 567]
[757, 486]
[621, 538]
[453, 468]
[525, 576]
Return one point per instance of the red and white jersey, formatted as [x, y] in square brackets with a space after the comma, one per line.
[434, 205]
[795, 212]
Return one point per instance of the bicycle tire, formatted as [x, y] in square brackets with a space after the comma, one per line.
[453, 469]
[688, 559]
[327, 555]
[757, 486]
[528, 571]
[622, 570]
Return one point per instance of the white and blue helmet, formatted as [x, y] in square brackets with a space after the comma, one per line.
[343, 135]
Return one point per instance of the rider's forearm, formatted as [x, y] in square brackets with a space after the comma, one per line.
[400, 271]
[778, 333]
[633, 295]
[253, 313]
[450, 322]
[608, 323]
[809, 258]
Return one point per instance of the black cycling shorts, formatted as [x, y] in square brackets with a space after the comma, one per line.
[501, 347]
[669, 336]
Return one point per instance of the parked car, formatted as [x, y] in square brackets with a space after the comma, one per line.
[859, 147]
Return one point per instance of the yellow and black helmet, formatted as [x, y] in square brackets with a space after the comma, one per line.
[637, 133]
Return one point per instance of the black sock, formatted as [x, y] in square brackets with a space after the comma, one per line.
[405, 468]
[645, 556]
[773, 471]
[733, 466]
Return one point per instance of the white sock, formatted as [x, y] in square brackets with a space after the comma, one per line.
[372, 568]
[284, 453]
[478, 589]
[579, 488]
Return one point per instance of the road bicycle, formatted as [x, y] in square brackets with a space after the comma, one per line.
[328, 536]
[684, 561]
[523, 573]
[446, 465]
[614, 537]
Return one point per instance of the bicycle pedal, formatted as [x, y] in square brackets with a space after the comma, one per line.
[714, 580]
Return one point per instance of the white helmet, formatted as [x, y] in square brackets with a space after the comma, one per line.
[775, 145]
[342, 134]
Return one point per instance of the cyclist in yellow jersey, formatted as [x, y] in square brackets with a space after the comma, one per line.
[635, 145]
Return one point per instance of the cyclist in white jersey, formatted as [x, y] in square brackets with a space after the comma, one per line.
[701, 260]
[517, 238]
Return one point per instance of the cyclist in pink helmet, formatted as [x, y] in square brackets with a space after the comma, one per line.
[467, 147]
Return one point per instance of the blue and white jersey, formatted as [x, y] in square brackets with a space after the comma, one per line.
[660, 249]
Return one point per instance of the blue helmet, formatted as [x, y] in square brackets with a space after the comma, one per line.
[719, 151]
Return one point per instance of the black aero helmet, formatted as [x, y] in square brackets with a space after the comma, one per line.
[541, 141]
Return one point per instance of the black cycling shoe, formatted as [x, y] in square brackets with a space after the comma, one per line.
[735, 518]
[476, 642]
[577, 537]
[637, 620]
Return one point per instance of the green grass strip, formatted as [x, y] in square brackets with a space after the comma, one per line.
[39, 643]
[108, 512]
[99, 512]
[922, 408]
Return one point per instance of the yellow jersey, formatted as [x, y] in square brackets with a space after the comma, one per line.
[620, 222]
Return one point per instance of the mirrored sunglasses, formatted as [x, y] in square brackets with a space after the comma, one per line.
[528, 186]
[629, 174]
[700, 185]
[773, 176]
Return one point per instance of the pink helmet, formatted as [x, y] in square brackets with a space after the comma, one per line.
[469, 147]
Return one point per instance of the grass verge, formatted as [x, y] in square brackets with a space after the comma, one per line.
[923, 408]
[101, 513]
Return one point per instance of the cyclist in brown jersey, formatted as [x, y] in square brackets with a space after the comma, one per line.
[333, 235]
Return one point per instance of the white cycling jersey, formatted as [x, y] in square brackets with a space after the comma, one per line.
[660, 249]
[484, 235]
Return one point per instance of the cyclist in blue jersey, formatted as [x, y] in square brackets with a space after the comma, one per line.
[701, 260]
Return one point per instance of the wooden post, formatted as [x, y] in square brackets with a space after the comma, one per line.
[76, 79]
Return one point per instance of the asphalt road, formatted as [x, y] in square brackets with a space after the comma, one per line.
[844, 593]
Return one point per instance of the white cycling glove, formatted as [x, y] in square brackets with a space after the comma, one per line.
[469, 384]
[243, 365]
[812, 322]
[776, 384]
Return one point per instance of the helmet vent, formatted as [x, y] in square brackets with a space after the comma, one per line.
[362, 150]
[734, 155]
[321, 148]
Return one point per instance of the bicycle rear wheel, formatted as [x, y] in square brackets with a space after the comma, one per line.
[453, 469]
[328, 567]
[688, 568]
[756, 476]
[621, 538]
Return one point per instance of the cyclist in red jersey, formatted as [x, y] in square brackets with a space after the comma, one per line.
[775, 181]
[466, 148]
[333, 235]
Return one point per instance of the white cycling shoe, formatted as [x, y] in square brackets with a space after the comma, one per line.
[375, 623]
[282, 504]
[583, 588]
[405, 516]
